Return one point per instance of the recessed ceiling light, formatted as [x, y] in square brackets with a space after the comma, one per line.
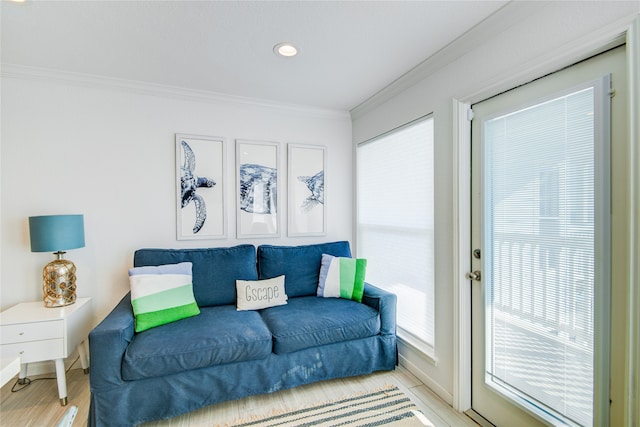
[285, 49]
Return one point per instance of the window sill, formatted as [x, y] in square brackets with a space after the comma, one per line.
[426, 350]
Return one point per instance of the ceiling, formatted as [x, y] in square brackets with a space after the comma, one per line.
[349, 50]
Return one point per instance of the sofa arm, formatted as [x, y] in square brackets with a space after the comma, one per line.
[107, 344]
[385, 303]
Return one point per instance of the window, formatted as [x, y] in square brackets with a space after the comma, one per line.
[395, 223]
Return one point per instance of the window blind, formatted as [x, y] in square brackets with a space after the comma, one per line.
[395, 223]
[540, 266]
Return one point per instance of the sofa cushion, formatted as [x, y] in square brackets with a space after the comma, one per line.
[218, 335]
[342, 277]
[311, 321]
[299, 264]
[162, 294]
[215, 270]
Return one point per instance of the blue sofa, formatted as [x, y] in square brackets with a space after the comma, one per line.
[224, 354]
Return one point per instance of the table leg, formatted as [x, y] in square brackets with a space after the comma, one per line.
[62, 381]
[84, 359]
[23, 373]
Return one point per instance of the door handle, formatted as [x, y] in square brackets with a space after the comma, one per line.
[474, 275]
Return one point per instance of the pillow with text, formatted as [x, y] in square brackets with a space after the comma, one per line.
[258, 294]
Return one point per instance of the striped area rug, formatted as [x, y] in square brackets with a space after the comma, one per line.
[384, 407]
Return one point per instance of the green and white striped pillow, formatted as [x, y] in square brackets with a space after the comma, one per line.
[162, 294]
[342, 277]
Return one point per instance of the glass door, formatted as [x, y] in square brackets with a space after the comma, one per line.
[541, 230]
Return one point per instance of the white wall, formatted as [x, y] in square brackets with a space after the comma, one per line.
[78, 144]
[523, 41]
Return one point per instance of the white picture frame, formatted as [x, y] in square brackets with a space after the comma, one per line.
[307, 214]
[257, 188]
[200, 187]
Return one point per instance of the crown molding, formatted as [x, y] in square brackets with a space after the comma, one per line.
[509, 15]
[498, 22]
[24, 72]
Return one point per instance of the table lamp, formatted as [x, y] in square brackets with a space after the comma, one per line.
[57, 233]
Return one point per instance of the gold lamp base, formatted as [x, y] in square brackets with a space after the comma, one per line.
[59, 282]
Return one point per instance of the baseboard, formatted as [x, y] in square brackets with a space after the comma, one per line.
[426, 380]
[479, 419]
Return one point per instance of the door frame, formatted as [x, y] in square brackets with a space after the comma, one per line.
[632, 387]
[591, 45]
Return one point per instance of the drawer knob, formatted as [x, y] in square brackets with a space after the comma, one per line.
[21, 333]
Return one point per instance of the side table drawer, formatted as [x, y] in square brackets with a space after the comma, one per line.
[35, 351]
[23, 332]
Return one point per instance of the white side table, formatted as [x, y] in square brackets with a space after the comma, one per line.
[35, 333]
[10, 367]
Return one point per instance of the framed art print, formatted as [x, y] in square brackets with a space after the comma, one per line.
[200, 172]
[307, 198]
[257, 165]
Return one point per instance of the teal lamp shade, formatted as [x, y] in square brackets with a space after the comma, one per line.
[53, 233]
[57, 233]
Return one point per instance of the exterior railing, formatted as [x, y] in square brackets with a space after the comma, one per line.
[545, 283]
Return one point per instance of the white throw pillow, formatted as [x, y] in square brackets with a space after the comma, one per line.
[257, 294]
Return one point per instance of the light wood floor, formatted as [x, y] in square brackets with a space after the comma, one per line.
[38, 405]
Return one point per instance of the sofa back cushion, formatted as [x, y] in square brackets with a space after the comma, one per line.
[215, 270]
[299, 264]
